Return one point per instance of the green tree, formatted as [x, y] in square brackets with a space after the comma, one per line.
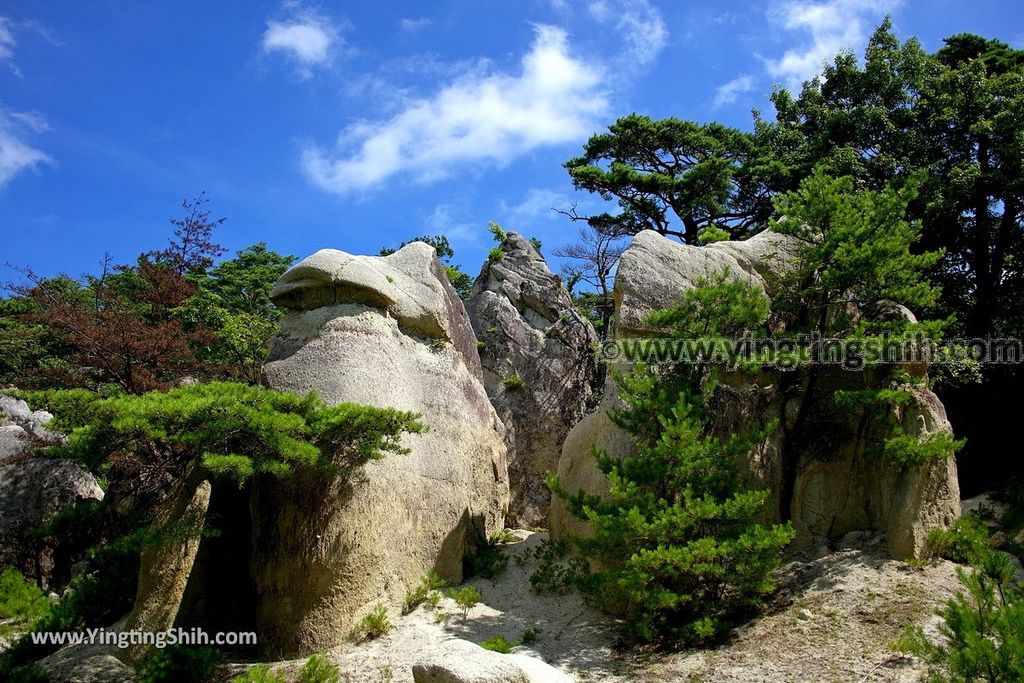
[233, 300]
[855, 258]
[462, 282]
[677, 177]
[676, 546]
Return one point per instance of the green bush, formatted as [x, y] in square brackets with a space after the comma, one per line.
[28, 673]
[486, 560]
[179, 664]
[21, 600]
[512, 383]
[496, 254]
[530, 636]
[261, 673]
[966, 541]
[375, 624]
[466, 598]
[318, 669]
[677, 549]
[983, 626]
[498, 644]
[428, 585]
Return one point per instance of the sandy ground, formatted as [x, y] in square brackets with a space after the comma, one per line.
[831, 620]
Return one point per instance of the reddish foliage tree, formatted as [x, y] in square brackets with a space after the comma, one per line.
[122, 326]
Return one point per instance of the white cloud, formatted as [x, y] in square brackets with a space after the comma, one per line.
[832, 26]
[640, 25]
[727, 93]
[536, 205]
[16, 155]
[7, 45]
[307, 38]
[457, 230]
[411, 25]
[481, 116]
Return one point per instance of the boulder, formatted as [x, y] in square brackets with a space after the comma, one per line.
[537, 353]
[33, 491]
[388, 332]
[460, 661]
[832, 485]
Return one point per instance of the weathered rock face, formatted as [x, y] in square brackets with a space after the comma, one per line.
[832, 484]
[531, 332]
[388, 332]
[34, 490]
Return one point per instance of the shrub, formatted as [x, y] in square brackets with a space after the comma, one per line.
[318, 669]
[677, 548]
[21, 600]
[966, 541]
[428, 586]
[536, 243]
[497, 232]
[375, 624]
[530, 636]
[498, 644]
[179, 664]
[496, 254]
[481, 345]
[983, 627]
[261, 673]
[512, 383]
[487, 560]
[466, 598]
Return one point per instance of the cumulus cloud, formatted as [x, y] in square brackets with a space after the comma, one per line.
[307, 38]
[641, 26]
[483, 116]
[727, 93]
[16, 155]
[831, 26]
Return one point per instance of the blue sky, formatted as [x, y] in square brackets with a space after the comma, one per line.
[358, 125]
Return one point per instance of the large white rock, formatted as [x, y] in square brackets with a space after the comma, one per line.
[387, 332]
[460, 661]
[837, 487]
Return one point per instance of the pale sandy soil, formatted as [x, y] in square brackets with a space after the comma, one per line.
[832, 620]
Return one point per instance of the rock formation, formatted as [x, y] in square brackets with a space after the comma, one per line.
[388, 332]
[538, 367]
[836, 485]
[34, 490]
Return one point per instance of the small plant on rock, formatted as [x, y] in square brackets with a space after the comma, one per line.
[530, 636]
[496, 254]
[375, 624]
[498, 644]
[318, 669]
[512, 383]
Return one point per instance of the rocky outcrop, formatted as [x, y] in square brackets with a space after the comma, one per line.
[388, 332]
[34, 490]
[825, 479]
[537, 353]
